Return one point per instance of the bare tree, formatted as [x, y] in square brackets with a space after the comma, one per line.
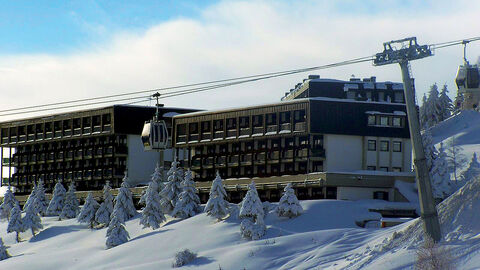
[432, 256]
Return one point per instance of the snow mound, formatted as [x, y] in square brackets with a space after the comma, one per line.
[465, 125]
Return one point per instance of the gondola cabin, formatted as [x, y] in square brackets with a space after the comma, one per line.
[155, 135]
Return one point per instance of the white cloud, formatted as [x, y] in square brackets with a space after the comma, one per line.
[241, 38]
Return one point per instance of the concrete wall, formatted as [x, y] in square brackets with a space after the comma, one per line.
[357, 193]
[342, 152]
[140, 164]
[388, 159]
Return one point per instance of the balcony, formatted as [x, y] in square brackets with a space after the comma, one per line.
[208, 163]
[58, 134]
[98, 152]
[109, 151]
[221, 162]
[181, 139]
[231, 133]
[233, 161]
[246, 160]
[67, 132]
[218, 135]
[257, 131]
[69, 155]
[302, 155]
[285, 128]
[97, 129]
[300, 127]
[107, 128]
[193, 137]
[206, 136]
[30, 137]
[260, 158]
[274, 157]
[77, 131]
[39, 136]
[5, 140]
[245, 132]
[272, 130]
[288, 156]
[13, 139]
[22, 138]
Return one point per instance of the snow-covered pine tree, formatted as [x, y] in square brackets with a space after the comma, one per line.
[188, 201]
[172, 188]
[8, 203]
[445, 104]
[289, 206]
[70, 209]
[216, 205]
[152, 214]
[87, 213]
[252, 207]
[32, 220]
[472, 172]
[124, 202]
[58, 200]
[31, 197]
[3, 251]
[423, 113]
[15, 224]
[433, 106]
[40, 201]
[116, 232]
[106, 207]
[158, 177]
[252, 225]
[430, 151]
[455, 156]
[440, 177]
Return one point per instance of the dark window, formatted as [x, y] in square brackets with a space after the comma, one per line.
[397, 121]
[206, 126]
[244, 122]
[218, 125]
[397, 147]
[271, 119]
[181, 129]
[380, 195]
[372, 145]
[384, 146]
[371, 168]
[284, 117]
[231, 123]
[193, 127]
[258, 120]
[385, 169]
[299, 115]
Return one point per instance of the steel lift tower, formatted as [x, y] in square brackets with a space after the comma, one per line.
[407, 50]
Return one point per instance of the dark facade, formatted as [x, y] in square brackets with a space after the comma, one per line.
[284, 138]
[89, 147]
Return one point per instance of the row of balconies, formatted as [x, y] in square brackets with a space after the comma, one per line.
[273, 157]
[90, 174]
[61, 133]
[60, 166]
[58, 156]
[248, 132]
[69, 144]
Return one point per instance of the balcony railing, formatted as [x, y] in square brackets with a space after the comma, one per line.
[181, 138]
[272, 129]
[5, 140]
[77, 131]
[231, 133]
[245, 132]
[286, 128]
[207, 136]
[300, 127]
[193, 137]
[218, 135]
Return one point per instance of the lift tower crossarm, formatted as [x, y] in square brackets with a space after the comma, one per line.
[410, 50]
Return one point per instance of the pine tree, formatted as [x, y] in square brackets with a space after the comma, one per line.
[172, 189]
[433, 108]
[15, 224]
[188, 201]
[445, 104]
[455, 157]
[32, 220]
[252, 207]
[116, 232]
[40, 201]
[430, 151]
[124, 203]
[423, 113]
[106, 207]
[473, 170]
[8, 203]
[158, 177]
[31, 197]
[58, 200]
[289, 206]
[3, 251]
[440, 177]
[216, 205]
[70, 209]
[87, 213]
[152, 214]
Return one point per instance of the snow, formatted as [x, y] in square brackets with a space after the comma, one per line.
[4, 189]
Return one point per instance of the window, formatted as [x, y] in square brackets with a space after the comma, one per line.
[371, 168]
[244, 121]
[397, 122]
[397, 146]
[258, 120]
[218, 125]
[384, 120]
[284, 117]
[384, 169]
[380, 195]
[384, 146]
[271, 119]
[299, 115]
[399, 97]
[371, 120]
[396, 169]
[372, 145]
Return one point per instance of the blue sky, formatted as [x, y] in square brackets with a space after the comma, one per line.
[62, 26]
[54, 51]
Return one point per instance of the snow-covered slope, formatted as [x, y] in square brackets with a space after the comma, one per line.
[325, 230]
